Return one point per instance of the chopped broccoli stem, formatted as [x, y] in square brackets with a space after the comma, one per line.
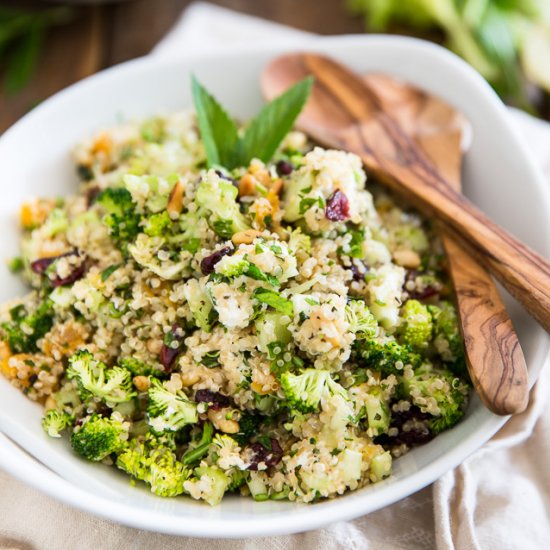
[218, 483]
[218, 196]
[194, 454]
[378, 411]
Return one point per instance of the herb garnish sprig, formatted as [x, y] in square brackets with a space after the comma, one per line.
[226, 146]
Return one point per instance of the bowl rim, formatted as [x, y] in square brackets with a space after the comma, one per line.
[306, 517]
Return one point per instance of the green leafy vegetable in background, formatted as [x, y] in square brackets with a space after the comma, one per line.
[507, 41]
[22, 34]
[225, 146]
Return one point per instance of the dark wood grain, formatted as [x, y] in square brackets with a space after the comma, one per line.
[71, 53]
[130, 29]
[343, 113]
[493, 353]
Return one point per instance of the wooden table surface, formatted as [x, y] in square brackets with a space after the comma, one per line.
[101, 36]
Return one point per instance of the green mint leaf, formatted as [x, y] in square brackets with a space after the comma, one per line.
[275, 300]
[268, 129]
[219, 132]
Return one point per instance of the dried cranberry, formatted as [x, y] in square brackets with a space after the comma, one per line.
[269, 456]
[41, 266]
[214, 399]
[209, 263]
[358, 275]
[169, 352]
[284, 168]
[91, 194]
[428, 291]
[416, 436]
[73, 276]
[337, 208]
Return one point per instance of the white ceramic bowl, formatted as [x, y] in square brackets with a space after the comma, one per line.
[34, 160]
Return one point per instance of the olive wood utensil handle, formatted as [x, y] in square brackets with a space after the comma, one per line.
[343, 113]
[492, 350]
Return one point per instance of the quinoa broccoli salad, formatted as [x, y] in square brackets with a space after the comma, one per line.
[276, 328]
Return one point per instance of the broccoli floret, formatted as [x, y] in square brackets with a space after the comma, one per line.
[157, 225]
[134, 460]
[166, 473]
[151, 193]
[95, 379]
[378, 411]
[232, 266]
[219, 197]
[98, 437]
[447, 338]
[167, 411]
[416, 330]
[361, 321]
[304, 391]
[156, 464]
[25, 329]
[224, 447]
[54, 422]
[248, 427]
[139, 368]
[383, 356]
[438, 393]
[121, 217]
[238, 479]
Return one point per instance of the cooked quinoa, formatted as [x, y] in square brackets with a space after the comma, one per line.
[279, 330]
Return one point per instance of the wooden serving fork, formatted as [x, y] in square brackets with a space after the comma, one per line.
[493, 352]
[429, 130]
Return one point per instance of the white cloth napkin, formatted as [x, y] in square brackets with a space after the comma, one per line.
[499, 498]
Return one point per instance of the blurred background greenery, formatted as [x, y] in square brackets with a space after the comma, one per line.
[507, 41]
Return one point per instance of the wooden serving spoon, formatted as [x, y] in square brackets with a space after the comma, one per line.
[342, 112]
[493, 353]
[494, 357]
